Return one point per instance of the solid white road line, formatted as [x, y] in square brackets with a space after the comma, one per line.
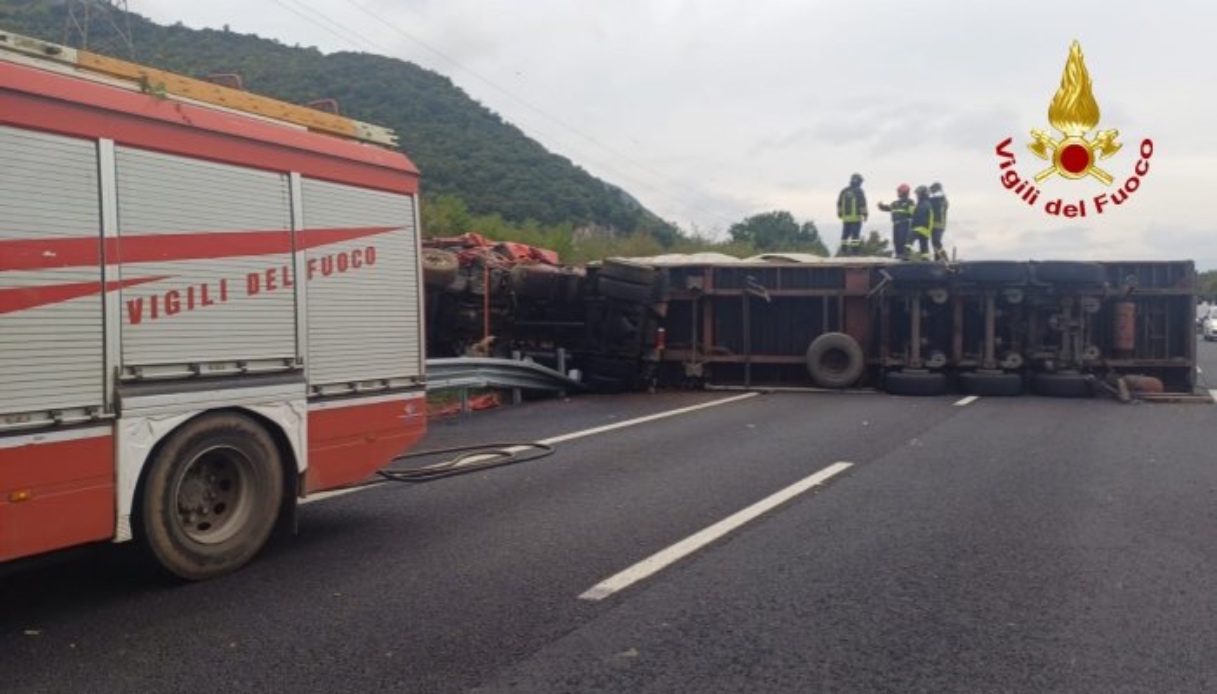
[691, 544]
[320, 496]
[643, 420]
[967, 401]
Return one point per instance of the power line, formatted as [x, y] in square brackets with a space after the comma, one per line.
[333, 27]
[80, 16]
[360, 39]
[544, 114]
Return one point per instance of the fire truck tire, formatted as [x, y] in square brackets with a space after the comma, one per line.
[991, 384]
[211, 496]
[439, 267]
[1064, 384]
[1068, 272]
[634, 273]
[626, 291]
[835, 360]
[915, 383]
[992, 272]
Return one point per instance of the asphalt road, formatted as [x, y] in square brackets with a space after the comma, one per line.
[1025, 544]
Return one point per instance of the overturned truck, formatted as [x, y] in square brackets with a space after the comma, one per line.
[1056, 328]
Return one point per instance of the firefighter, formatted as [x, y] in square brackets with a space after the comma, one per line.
[851, 210]
[923, 222]
[902, 218]
[938, 202]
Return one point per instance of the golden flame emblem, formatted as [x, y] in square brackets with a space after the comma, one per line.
[1074, 112]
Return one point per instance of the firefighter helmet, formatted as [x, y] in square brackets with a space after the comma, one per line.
[902, 190]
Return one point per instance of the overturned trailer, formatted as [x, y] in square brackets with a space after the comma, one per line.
[984, 327]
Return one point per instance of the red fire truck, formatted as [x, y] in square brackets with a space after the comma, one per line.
[210, 306]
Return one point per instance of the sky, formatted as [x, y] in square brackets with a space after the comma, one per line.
[709, 112]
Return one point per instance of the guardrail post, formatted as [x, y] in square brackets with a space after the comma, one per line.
[516, 396]
[562, 368]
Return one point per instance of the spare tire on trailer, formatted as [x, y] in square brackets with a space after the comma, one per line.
[1068, 272]
[835, 360]
[1063, 384]
[991, 383]
[915, 383]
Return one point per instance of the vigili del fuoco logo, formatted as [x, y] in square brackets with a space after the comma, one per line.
[1073, 113]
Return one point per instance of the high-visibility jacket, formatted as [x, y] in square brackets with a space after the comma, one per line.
[902, 213]
[923, 217]
[938, 203]
[851, 204]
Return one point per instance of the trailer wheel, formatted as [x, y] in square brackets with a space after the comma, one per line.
[835, 360]
[1064, 384]
[991, 383]
[626, 291]
[212, 496]
[439, 267]
[992, 272]
[626, 271]
[1068, 272]
[915, 383]
[916, 273]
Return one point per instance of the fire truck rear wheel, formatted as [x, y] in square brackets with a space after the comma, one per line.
[211, 497]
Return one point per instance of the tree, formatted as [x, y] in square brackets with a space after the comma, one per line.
[876, 245]
[1206, 285]
[778, 231]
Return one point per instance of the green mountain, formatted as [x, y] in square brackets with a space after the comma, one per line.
[462, 148]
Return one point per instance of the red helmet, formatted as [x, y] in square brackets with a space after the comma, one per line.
[902, 190]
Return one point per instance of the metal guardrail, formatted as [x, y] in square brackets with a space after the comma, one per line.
[484, 372]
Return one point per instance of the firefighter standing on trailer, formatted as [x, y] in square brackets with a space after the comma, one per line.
[938, 203]
[923, 222]
[902, 221]
[851, 210]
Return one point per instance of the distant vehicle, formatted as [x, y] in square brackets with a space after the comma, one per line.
[1208, 327]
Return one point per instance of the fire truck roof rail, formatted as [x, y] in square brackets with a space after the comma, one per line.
[167, 84]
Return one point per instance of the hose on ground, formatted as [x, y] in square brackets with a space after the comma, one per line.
[484, 456]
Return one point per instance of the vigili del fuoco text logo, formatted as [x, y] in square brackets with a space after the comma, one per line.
[1073, 113]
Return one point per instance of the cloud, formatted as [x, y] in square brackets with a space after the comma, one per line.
[708, 112]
